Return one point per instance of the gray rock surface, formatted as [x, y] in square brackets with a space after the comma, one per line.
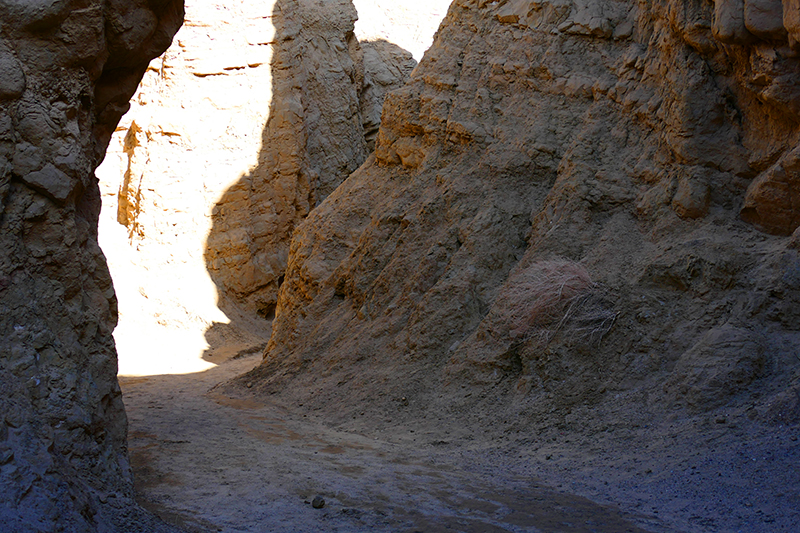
[67, 71]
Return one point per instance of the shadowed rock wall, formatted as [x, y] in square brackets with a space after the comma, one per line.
[67, 71]
[555, 211]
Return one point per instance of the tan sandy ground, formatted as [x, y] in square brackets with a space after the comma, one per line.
[206, 461]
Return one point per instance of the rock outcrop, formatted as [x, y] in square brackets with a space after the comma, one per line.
[190, 173]
[556, 209]
[67, 72]
[327, 91]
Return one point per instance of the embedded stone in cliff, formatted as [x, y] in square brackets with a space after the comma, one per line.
[52, 183]
[764, 19]
[729, 25]
[691, 198]
[12, 77]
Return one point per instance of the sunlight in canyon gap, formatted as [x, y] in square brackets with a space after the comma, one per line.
[194, 129]
[409, 24]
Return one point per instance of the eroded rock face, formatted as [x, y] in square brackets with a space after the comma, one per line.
[67, 71]
[327, 93]
[204, 184]
[623, 138]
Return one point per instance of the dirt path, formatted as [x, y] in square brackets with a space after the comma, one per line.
[208, 462]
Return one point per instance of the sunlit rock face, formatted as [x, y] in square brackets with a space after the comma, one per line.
[193, 130]
[67, 71]
[567, 198]
[253, 116]
[327, 91]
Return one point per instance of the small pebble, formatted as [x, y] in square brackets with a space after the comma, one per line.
[318, 502]
[250, 385]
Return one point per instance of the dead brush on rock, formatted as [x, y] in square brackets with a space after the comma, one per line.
[547, 297]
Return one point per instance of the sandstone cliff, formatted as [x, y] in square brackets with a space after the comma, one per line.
[67, 71]
[195, 213]
[193, 130]
[567, 210]
[325, 108]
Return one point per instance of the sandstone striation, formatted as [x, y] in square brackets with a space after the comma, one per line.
[67, 71]
[566, 199]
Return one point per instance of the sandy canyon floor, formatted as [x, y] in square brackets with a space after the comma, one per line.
[208, 462]
[211, 461]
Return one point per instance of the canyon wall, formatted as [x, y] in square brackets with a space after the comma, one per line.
[194, 128]
[571, 204]
[67, 71]
[323, 116]
[202, 189]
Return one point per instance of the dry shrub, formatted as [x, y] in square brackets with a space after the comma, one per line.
[588, 318]
[538, 295]
[540, 300]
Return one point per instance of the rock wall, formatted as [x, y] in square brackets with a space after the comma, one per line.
[67, 71]
[565, 209]
[193, 130]
[327, 92]
[190, 187]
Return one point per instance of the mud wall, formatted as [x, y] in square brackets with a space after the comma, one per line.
[67, 72]
[571, 204]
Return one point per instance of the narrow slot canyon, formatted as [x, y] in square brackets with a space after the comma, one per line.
[349, 265]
